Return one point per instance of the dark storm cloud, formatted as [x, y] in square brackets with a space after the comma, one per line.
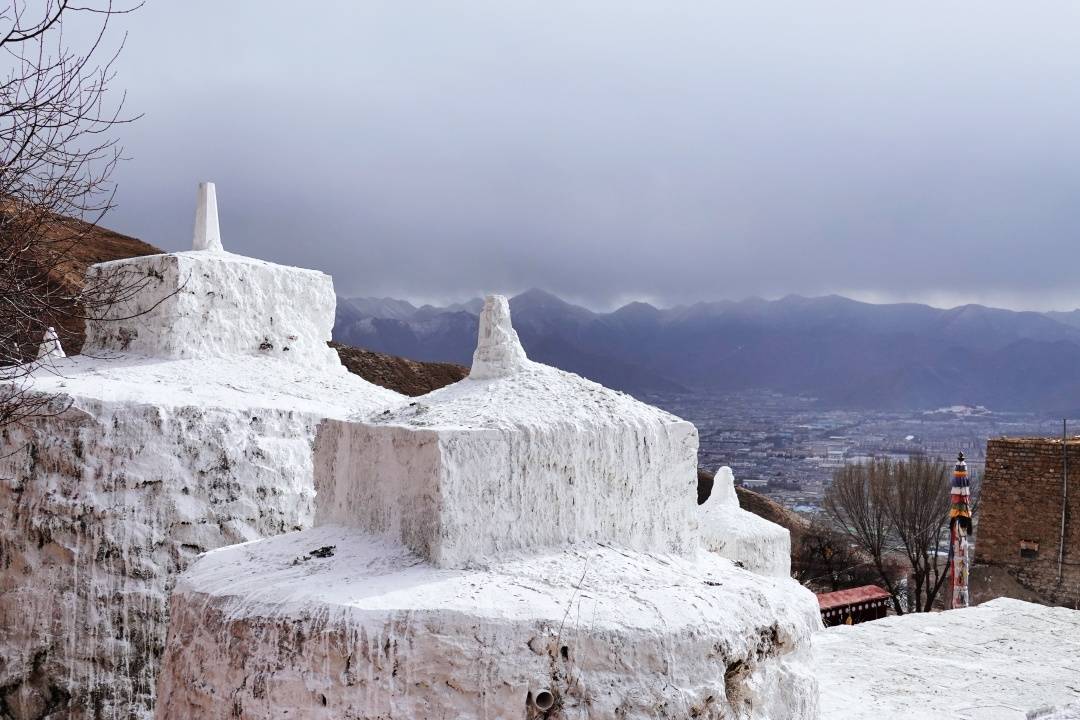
[614, 149]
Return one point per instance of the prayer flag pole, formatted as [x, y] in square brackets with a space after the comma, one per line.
[959, 532]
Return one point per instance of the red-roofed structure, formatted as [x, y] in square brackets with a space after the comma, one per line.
[855, 605]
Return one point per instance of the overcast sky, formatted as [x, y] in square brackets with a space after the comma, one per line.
[610, 150]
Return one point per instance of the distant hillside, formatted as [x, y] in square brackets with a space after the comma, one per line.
[1069, 318]
[843, 352]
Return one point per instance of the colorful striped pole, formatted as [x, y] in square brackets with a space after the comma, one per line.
[960, 530]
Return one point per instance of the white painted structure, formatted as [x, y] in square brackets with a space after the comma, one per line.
[547, 458]
[200, 305]
[741, 536]
[207, 232]
[523, 543]
[181, 434]
[1002, 660]
[50, 346]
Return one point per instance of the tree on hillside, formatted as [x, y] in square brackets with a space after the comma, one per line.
[889, 508]
[57, 154]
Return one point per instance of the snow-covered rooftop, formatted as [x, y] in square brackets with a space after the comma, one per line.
[997, 661]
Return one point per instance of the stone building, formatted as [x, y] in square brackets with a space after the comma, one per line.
[1021, 530]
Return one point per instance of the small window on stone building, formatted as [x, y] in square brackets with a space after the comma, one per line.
[1029, 550]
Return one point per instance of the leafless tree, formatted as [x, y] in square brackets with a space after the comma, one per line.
[58, 151]
[918, 508]
[857, 500]
[889, 508]
[826, 559]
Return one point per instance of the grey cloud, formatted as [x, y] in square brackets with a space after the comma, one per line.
[613, 149]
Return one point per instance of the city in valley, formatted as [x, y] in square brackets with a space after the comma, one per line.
[788, 448]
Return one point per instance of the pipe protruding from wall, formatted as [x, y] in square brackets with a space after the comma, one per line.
[543, 700]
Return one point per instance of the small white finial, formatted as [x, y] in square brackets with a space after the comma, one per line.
[207, 233]
[50, 346]
[723, 489]
[498, 349]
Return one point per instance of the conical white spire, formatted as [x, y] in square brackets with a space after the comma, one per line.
[50, 346]
[723, 489]
[498, 349]
[207, 233]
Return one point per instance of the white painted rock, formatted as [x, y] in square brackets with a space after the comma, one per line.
[544, 457]
[204, 305]
[333, 623]
[207, 232]
[741, 536]
[183, 436]
[102, 505]
[1002, 660]
[521, 544]
[498, 350]
[50, 346]
[1067, 712]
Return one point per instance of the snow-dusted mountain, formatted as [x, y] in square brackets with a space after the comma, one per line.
[846, 353]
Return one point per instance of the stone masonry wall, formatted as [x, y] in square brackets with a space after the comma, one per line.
[1019, 524]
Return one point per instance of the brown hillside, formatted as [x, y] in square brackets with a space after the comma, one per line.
[409, 377]
[58, 266]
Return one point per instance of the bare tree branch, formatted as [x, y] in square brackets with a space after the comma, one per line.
[57, 154]
[900, 507]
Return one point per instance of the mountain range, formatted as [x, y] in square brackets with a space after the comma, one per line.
[840, 351]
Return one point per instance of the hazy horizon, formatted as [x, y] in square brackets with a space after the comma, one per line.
[420, 301]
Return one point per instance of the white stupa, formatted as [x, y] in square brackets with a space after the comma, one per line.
[211, 305]
[521, 544]
[50, 346]
[739, 535]
[186, 424]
